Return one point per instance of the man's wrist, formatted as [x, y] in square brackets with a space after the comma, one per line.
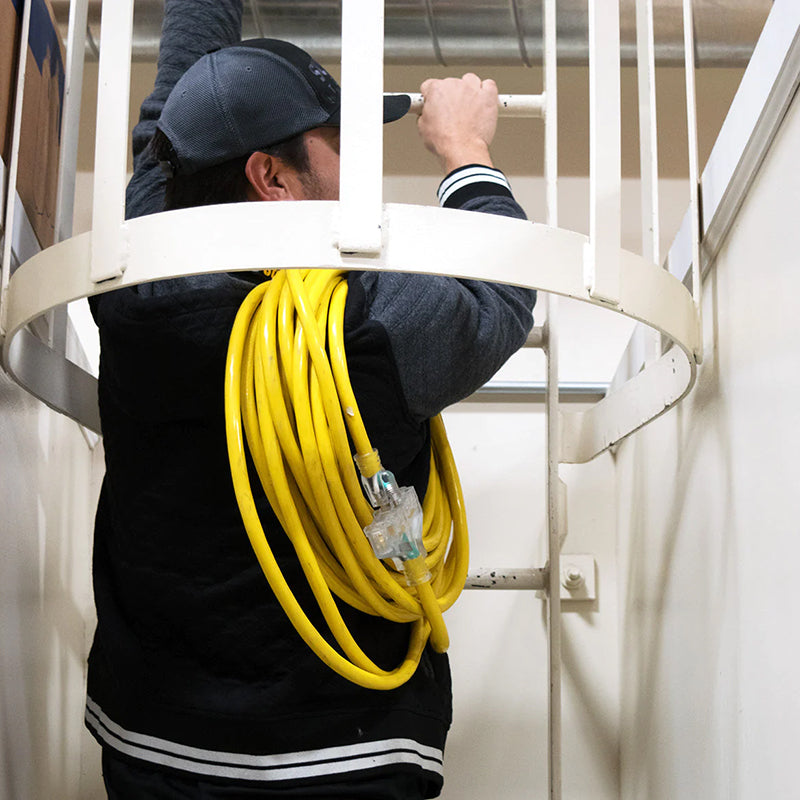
[457, 157]
[469, 181]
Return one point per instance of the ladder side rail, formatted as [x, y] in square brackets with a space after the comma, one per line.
[553, 450]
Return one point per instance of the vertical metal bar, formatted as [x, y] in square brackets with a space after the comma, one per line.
[111, 142]
[432, 27]
[601, 261]
[648, 151]
[694, 169]
[552, 415]
[70, 126]
[67, 165]
[551, 112]
[648, 131]
[13, 166]
[254, 10]
[361, 166]
[523, 51]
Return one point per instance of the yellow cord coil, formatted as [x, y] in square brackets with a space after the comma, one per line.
[295, 406]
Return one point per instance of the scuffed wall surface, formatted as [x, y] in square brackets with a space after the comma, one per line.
[708, 513]
[48, 492]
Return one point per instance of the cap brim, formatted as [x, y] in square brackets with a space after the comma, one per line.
[395, 106]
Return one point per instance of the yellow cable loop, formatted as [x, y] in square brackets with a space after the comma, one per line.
[293, 403]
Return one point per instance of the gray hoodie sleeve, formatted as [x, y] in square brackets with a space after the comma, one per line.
[191, 28]
[449, 336]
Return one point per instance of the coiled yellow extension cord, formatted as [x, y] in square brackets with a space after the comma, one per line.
[297, 407]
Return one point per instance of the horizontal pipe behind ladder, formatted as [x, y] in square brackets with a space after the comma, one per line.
[534, 391]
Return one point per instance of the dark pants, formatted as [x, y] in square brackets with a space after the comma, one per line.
[136, 780]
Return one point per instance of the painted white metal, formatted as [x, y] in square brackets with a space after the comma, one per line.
[631, 407]
[648, 146]
[554, 535]
[418, 239]
[535, 391]
[555, 517]
[519, 106]
[422, 239]
[765, 92]
[71, 118]
[13, 167]
[648, 128]
[361, 166]
[52, 378]
[68, 158]
[111, 143]
[578, 572]
[638, 352]
[535, 337]
[694, 168]
[507, 578]
[767, 88]
[550, 97]
[605, 161]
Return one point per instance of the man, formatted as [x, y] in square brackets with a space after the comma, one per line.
[198, 684]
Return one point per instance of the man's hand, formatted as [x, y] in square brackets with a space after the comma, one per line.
[458, 120]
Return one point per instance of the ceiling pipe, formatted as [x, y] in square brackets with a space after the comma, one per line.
[498, 32]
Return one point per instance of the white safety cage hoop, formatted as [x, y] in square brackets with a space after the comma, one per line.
[415, 239]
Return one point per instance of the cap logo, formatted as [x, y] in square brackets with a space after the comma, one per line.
[326, 88]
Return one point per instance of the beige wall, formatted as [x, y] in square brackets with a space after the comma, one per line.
[519, 145]
[708, 531]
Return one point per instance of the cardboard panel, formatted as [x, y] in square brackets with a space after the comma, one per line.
[9, 43]
[41, 111]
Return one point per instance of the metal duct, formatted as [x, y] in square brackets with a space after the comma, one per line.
[452, 32]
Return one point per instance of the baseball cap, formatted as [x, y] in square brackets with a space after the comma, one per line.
[248, 96]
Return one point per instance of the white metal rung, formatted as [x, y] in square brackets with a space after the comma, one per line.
[521, 106]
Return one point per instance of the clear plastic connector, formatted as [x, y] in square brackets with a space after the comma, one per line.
[381, 488]
[396, 528]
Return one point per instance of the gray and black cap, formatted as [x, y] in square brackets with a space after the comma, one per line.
[249, 96]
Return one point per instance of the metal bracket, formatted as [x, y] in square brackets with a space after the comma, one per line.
[578, 577]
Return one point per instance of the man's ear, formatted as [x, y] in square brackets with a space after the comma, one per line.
[271, 178]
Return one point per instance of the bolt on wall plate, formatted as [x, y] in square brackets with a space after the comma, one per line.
[578, 577]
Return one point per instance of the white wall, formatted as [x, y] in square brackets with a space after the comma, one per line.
[708, 531]
[48, 491]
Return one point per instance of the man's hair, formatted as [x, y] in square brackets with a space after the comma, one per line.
[225, 182]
